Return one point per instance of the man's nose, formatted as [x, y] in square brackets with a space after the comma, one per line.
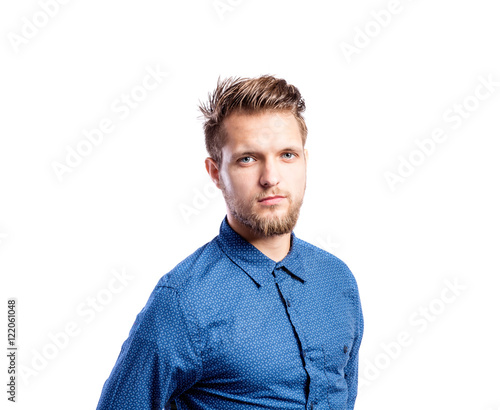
[270, 174]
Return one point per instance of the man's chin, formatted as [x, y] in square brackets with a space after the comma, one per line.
[273, 226]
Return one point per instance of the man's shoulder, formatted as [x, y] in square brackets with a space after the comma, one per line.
[192, 267]
[316, 256]
[308, 250]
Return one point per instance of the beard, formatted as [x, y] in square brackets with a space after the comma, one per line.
[264, 226]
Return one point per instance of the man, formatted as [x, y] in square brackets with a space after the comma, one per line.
[256, 318]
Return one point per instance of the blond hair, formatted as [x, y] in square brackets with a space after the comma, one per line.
[250, 96]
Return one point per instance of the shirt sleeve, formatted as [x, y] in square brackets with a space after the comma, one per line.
[351, 369]
[159, 359]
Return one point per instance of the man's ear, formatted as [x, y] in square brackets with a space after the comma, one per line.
[306, 154]
[213, 170]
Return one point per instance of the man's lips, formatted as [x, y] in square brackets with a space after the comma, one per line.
[271, 200]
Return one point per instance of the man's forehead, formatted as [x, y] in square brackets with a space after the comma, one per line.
[261, 128]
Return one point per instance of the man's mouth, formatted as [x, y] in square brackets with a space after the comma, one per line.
[272, 200]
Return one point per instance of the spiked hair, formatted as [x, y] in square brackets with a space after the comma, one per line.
[249, 96]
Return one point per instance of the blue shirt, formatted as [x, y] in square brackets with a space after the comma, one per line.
[229, 328]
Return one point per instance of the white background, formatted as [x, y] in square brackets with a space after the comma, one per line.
[122, 207]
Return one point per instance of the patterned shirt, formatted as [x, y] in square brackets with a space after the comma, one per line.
[229, 328]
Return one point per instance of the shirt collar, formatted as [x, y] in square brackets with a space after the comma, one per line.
[257, 265]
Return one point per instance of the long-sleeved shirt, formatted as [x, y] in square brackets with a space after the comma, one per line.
[230, 328]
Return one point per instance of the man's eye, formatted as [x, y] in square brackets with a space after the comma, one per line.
[288, 155]
[246, 160]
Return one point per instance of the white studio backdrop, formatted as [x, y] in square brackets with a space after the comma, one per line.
[103, 187]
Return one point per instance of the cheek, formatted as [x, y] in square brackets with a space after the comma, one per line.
[242, 189]
[298, 180]
[236, 185]
[243, 180]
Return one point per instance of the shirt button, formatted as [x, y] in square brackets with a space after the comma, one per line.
[345, 349]
[288, 303]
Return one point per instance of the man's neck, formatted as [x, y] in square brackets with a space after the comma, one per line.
[274, 247]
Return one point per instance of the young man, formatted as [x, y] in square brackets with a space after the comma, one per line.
[256, 318]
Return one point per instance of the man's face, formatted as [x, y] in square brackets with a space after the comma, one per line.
[262, 173]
